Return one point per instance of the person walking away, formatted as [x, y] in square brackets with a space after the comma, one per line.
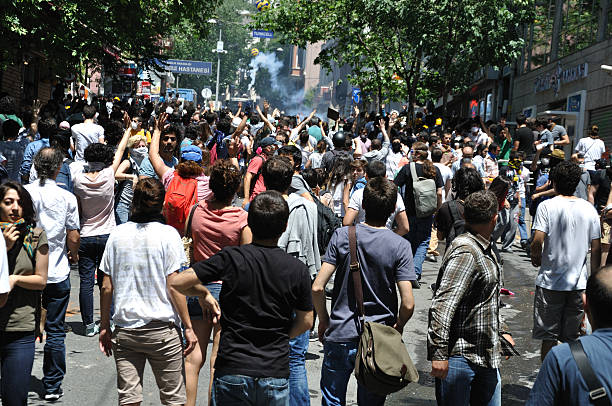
[11, 149]
[215, 224]
[420, 227]
[266, 300]
[592, 148]
[86, 133]
[58, 215]
[147, 308]
[560, 381]
[46, 128]
[27, 252]
[463, 337]
[253, 181]
[386, 265]
[565, 228]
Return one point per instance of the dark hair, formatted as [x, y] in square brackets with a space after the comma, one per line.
[420, 152]
[375, 169]
[599, 297]
[294, 152]
[98, 152]
[594, 131]
[493, 146]
[7, 105]
[499, 187]
[321, 146]
[565, 177]
[268, 215]
[47, 127]
[192, 131]
[340, 170]
[379, 200]
[148, 201]
[277, 173]
[113, 132]
[10, 129]
[224, 180]
[89, 111]
[46, 162]
[25, 201]
[466, 181]
[61, 140]
[358, 164]
[224, 126]
[521, 119]
[436, 155]
[176, 130]
[480, 207]
[311, 177]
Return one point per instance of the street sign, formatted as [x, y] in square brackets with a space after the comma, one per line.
[263, 34]
[356, 95]
[206, 93]
[186, 67]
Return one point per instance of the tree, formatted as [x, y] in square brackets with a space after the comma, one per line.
[98, 32]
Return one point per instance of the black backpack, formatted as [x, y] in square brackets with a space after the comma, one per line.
[458, 226]
[327, 223]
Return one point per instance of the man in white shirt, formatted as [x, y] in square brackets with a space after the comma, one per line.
[591, 147]
[58, 215]
[86, 133]
[565, 227]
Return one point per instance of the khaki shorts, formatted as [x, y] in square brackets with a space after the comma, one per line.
[605, 232]
[557, 315]
[160, 344]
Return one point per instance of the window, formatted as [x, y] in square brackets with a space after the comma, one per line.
[579, 25]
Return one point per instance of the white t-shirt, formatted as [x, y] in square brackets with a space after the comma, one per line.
[355, 203]
[139, 271]
[337, 195]
[592, 148]
[85, 134]
[392, 163]
[447, 174]
[570, 226]
[4, 268]
[57, 212]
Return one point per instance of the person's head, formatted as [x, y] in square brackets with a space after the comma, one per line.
[521, 119]
[379, 199]
[375, 169]
[304, 137]
[396, 145]
[268, 215]
[10, 129]
[192, 131]
[480, 211]
[376, 144]
[311, 177]
[169, 140]
[465, 182]
[565, 177]
[436, 155]
[61, 140]
[358, 168]
[293, 153]
[137, 123]
[434, 142]
[540, 125]
[113, 132]
[98, 152]
[137, 141]
[446, 138]
[224, 180]
[340, 170]
[48, 162]
[556, 157]
[481, 150]
[499, 187]
[597, 298]
[148, 200]
[339, 140]
[16, 204]
[321, 147]
[89, 112]
[277, 173]
[47, 127]
[493, 149]
[268, 146]
[468, 152]
[594, 131]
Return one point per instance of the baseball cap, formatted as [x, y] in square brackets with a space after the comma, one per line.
[267, 141]
[191, 153]
[64, 125]
[557, 153]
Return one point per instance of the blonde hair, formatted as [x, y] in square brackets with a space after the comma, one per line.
[135, 140]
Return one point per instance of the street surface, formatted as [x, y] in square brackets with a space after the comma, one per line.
[91, 377]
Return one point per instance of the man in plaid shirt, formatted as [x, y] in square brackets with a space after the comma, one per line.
[464, 323]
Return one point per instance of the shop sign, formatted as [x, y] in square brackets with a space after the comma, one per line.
[554, 80]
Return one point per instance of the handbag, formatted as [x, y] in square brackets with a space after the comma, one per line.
[187, 239]
[382, 364]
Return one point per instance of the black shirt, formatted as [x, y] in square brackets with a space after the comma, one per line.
[524, 136]
[404, 178]
[600, 178]
[444, 220]
[262, 286]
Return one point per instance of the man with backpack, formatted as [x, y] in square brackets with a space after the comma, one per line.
[385, 263]
[253, 181]
[421, 183]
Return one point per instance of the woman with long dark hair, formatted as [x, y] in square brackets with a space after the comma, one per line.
[28, 258]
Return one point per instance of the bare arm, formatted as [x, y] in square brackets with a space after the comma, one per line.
[180, 306]
[302, 322]
[265, 119]
[248, 178]
[403, 226]
[73, 241]
[318, 296]
[121, 149]
[563, 141]
[303, 123]
[246, 236]
[595, 255]
[349, 217]
[121, 173]
[406, 306]
[439, 196]
[536, 247]
[106, 298]
[156, 161]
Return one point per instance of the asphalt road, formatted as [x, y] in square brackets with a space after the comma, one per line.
[91, 376]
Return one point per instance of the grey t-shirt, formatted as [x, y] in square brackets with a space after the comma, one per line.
[583, 186]
[299, 185]
[385, 258]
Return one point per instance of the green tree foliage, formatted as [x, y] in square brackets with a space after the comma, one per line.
[100, 32]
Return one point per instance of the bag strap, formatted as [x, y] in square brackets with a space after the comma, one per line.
[415, 177]
[452, 206]
[356, 273]
[597, 392]
[188, 229]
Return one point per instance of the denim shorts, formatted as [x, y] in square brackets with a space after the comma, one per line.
[193, 305]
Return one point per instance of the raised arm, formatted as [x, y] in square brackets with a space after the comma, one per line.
[265, 119]
[122, 144]
[156, 161]
[303, 123]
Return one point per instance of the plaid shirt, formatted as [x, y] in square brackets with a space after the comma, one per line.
[464, 315]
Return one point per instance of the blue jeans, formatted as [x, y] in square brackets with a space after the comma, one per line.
[298, 382]
[338, 365]
[521, 224]
[234, 390]
[419, 236]
[468, 384]
[55, 299]
[17, 357]
[122, 213]
[90, 255]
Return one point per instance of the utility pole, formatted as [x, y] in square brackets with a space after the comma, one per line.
[219, 51]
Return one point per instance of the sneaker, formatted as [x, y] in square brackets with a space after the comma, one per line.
[92, 329]
[313, 336]
[431, 258]
[52, 397]
[416, 284]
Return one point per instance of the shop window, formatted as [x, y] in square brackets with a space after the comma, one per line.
[579, 25]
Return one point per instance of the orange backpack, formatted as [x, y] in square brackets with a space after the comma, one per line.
[181, 196]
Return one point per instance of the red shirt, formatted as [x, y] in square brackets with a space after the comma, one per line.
[254, 167]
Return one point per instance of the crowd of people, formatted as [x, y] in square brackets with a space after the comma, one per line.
[200, 224]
